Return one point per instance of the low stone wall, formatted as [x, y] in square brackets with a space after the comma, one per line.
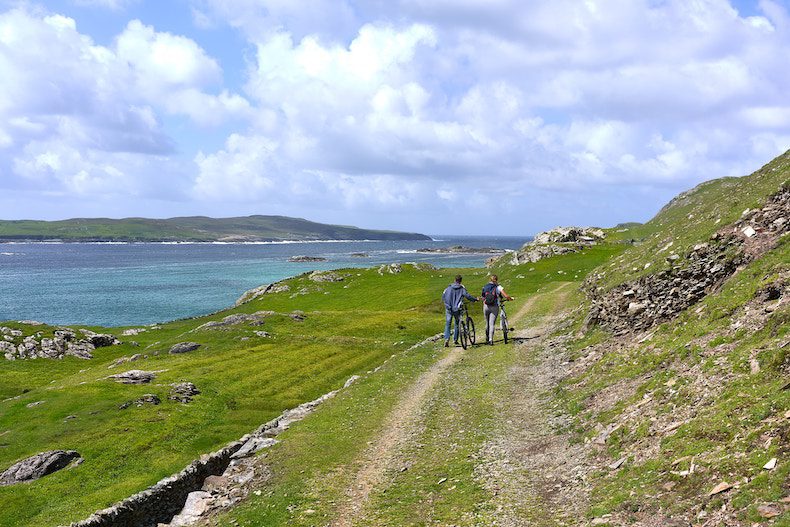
[158, 504]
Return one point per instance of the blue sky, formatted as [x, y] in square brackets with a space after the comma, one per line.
[438, 116]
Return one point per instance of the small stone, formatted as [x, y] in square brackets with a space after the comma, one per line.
[769, 510]
[770, 465]
[748, 231]
[718, 489]
[617, 464]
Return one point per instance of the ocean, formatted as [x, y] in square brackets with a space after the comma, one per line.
[120, 284]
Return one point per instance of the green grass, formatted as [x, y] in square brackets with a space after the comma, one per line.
[243, 383]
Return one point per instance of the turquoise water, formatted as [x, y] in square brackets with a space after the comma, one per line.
[130, 284]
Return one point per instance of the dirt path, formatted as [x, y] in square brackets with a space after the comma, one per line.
[404, 423]
[383, 453]
[533, 472]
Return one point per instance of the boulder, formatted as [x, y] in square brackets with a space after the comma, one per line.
[184, 347]
[8, 350]
[38, 466]
[133, 377]
[197, 504]
[81, 349]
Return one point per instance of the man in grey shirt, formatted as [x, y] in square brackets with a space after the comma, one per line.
[452, 298]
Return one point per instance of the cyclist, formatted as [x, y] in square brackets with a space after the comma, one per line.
[452, 297]
[492, 292]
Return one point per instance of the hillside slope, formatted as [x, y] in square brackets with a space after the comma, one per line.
[191, 229]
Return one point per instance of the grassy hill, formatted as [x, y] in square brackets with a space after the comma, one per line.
[190, 229]
[575, 424]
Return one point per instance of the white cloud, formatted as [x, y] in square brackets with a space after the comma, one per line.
[79, 117]
[399, 106]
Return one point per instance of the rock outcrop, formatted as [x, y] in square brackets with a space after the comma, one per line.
[654, 298]
[147, 398]
[257, 292]
[562, 240]
[325, 276]
[254, 319]
[184, 347]
[393, 268]
[62, 343]
[38, 466]
[183, 392]
[134, 377]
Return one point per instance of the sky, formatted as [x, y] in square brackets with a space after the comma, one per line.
[437, 116]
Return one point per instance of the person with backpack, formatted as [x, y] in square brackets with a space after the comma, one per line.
[492, 293]
[452, 297]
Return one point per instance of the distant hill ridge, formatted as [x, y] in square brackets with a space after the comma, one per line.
[190, 229]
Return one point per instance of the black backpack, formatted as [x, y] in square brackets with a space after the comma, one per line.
[490, 294]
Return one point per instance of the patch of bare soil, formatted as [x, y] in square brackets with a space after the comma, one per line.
[382, 455]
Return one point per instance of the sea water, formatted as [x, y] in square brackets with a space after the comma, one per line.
[119, 284]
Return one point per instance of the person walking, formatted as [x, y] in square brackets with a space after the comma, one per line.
[492, 293]
[452, 297]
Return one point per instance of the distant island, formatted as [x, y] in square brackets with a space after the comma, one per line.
[190, 229]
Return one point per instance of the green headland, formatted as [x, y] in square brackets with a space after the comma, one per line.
[190, 229]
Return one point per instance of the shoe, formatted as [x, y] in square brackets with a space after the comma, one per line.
[490, 342]
[455, 343]
[447, 343]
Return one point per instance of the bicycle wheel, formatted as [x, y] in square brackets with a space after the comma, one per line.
[464, 335]
[470, 325]
[504, 328]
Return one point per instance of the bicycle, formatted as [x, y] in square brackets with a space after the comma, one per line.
[503, 319]
[467, 327]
